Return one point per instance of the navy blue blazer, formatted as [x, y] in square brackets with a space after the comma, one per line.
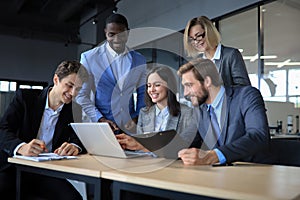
[244, 129]
[22, 119]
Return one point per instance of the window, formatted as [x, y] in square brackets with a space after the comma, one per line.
[9, 87]
[267, 36]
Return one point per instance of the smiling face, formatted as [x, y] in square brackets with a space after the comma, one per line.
[66, 89]
[116, 36]
[157, 90]
[197, 38]
[193, 89]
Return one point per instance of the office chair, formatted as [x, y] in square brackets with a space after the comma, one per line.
[285, 152]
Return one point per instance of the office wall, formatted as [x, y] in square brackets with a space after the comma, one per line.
[174, 14]
[34, 60]
[280, 111]
[26, 59]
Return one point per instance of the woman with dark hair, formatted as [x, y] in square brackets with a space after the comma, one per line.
[162, 111]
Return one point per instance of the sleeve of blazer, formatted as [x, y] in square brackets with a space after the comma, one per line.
[140, 63]
[248, 125]
[10, 124]
[83, 97]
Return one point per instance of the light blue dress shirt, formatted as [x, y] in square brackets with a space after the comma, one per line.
[161, 118]
[119, 64]
[217, 55]
[217, 105]
[48, 123]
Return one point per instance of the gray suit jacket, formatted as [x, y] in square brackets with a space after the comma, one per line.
[185, 123]
[232, 67]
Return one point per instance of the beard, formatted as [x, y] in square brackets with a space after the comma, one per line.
[203, 99]
[196, 100]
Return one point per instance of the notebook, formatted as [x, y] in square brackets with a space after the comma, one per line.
[45, 157]
[99, 139]
[163, 143]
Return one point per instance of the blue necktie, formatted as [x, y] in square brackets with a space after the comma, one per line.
[215, 125]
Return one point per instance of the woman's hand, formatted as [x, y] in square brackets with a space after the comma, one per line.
[128, 142]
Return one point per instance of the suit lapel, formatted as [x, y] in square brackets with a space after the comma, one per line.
[106, 65]
[149, 120]
[129, 78]
[172, 122]
[205, 130]
[225, 115]
[61, 122]
[219, 62]
[39, 110]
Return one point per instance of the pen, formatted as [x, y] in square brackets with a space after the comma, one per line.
[222, 165]
[43, 147]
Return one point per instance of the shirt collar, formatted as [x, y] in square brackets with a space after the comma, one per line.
[47, 107]
[164, 111]
[113, 53]
[219, 98]
[217, 54]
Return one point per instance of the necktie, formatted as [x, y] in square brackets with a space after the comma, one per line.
[215, 125]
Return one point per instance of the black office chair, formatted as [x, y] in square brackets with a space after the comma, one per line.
[285, 152]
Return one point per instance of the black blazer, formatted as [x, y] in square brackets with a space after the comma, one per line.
[232, 67]
[22, 119]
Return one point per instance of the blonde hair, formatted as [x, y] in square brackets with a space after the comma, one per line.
[212, 35]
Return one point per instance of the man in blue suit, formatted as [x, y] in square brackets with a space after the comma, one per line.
[116, 73]
[239, 111]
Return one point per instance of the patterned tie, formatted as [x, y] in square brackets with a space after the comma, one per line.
[215, 125]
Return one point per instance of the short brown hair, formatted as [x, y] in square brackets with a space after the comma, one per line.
[65, 68]
[202, 68]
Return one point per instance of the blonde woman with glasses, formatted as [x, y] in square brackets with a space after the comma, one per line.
[201, 38]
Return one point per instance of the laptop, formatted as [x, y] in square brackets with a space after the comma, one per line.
[99, 139]
[164, 144]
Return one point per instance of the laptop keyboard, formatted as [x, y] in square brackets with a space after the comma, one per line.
[141, 153]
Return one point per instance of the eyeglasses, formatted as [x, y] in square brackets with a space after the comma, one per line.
[197, 38]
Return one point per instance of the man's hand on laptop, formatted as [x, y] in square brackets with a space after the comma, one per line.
[131, 125]
[112, 124]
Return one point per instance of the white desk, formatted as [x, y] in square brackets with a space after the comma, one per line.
[286, 136]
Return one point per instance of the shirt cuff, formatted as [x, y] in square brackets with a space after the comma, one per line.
[221, 156]
[79, 148]
[18, 147]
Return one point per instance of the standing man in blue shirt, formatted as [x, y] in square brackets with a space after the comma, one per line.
[116, 73]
